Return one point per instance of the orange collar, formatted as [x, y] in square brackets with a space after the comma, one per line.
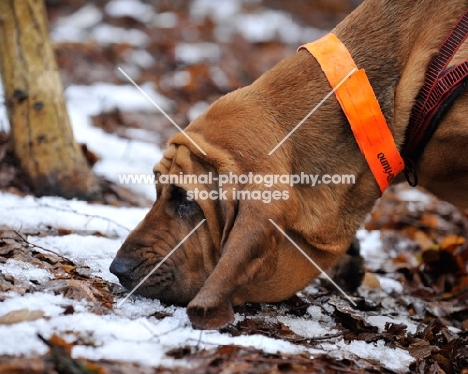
[358, 101]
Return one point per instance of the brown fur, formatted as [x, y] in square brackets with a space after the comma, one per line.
[237, 255]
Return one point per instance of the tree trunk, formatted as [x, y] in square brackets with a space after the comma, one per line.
[40, 127]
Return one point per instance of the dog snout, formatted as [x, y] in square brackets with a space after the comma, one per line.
[123, 268]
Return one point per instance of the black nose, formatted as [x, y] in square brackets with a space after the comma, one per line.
[122, 268]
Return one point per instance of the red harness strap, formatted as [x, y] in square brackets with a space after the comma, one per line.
[441, 88]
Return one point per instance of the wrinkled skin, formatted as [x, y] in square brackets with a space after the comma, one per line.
[237, 254]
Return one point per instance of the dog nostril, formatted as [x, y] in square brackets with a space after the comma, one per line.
[122, 267]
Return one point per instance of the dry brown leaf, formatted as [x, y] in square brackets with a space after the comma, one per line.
[452, 242]
[63, 232]
[58, 341]
[68, 268]
[79, 290]
[21, 315]
[430, 221]
[423, 239]
[371, 281]
[9, 241]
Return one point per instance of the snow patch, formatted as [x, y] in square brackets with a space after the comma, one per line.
[197, 109]
[25, 271]
[84, 18]
[118, 156]
[104, 97]
[4, 122]
[29, 213]
[414, 195]
[380, 322]
[165, 20]
[392, 358]
[220, 11]
[194, 53]
[93, 251]
[140, 57]
[106, 34]
[131, 8]
[274, 25]
[177, 79]
[75, 27]
[389, 285]
[371, 248]
[307, 328]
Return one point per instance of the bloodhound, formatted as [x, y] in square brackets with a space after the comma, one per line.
[242, 249]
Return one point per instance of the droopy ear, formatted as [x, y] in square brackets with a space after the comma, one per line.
[248, 255]
[229, 211]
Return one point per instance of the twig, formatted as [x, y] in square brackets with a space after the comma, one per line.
[71, 210]
[32, 245]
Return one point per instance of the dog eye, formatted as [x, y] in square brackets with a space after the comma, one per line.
[183, 205]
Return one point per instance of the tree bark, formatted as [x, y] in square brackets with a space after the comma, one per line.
[40, 127]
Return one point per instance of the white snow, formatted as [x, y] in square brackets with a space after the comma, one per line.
[389, 285]
[194, 53]
[104, 97]
[414, 195]
[307, 328]
[106, 34]
[165, 20]
[220, 11]
[380, 322]
[131, 8]
[93, 251]
[101, 33]
[30, 213]
[177, 79]
[4, 123]
[392, 358]
[86, 17]
[75, 27]
[257, 27]
[371, 248]
[197, 109]
[316, 314]
[219, 77]
[118, 156]
[274, 25]
[25, 271]
[140, 57]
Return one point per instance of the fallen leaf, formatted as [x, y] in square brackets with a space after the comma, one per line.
[63, 232]
[452, 242]
[60, 354]
[371, 281]
[79, 290]
[423, 239]
[21, 315]
[68, 268]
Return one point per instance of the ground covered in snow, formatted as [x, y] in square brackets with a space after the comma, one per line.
[55, 285]
[58, 300]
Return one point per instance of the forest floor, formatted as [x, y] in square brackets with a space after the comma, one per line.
[58, 300]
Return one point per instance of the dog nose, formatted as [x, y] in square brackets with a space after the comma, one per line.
[122, 268]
